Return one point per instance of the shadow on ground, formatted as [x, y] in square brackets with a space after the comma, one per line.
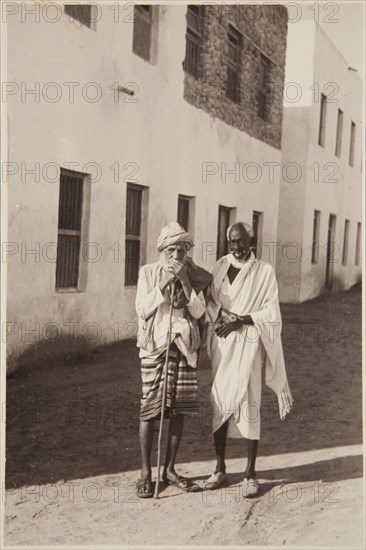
[327, 471]
[77, 417]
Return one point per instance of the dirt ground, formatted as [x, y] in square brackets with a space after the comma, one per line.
[73, 450]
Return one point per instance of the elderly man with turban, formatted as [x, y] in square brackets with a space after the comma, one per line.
[153, 306]
[244, 313]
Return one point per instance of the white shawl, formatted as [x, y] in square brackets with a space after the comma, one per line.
[254, 292]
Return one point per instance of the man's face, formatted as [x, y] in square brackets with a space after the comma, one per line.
[175, 252]
[239, 243]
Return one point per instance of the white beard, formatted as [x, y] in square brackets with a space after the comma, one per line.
[238, 264]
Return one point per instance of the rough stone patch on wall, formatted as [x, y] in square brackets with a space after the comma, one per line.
[264, 31]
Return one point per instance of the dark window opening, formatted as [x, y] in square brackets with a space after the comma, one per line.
[263, 95]
[193, 41]
[133, 233]
[183, 211]
[352, 144]
[257, 223]
[223, 225]
[142, 31]
[322, 120]
[233, 65]
[80, 12]
[345, 242]
[358, 244]
[69, 229]
[338, 147]
[315, 242]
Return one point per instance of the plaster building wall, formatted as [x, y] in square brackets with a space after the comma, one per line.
[156, 139]
[327, 183]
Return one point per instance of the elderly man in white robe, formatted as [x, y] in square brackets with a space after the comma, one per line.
[153, 300]
[244, 333]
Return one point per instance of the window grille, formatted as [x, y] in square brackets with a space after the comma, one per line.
[352, 144]
[133, 234]
[69, 229]
[263, 96]
[233, 65]
[358, 244]
[345, 242]
[338, 147]
[315, 243]
[322, 120]
[193, 41]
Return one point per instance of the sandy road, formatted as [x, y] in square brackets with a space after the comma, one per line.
[73, 455]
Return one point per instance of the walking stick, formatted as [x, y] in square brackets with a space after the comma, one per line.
[165, 388]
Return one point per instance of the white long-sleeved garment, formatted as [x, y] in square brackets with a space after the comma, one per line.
[149, 299]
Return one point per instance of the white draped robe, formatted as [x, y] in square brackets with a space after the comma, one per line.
[237, 359]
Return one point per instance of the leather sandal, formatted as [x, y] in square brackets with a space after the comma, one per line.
[215, 481]
[144, 488]
[250, 487]
[183, 484]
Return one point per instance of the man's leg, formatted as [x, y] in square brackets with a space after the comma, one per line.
[146, 443]
[174, 436]
[219, 476]
[250, 484]
[220, 447]
[252, 446]
[169, 473]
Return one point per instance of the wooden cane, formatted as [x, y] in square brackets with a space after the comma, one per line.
[165, 388]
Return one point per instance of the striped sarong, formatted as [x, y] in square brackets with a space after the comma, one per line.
[182, 389]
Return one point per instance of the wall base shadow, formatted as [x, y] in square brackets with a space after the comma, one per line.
[77, 417]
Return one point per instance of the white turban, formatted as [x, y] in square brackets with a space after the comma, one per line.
[173, 233]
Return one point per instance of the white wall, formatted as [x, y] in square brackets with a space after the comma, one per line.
[339, 190]
[328, 183]
[166, 138]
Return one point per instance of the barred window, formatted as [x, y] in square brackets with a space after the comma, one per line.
[345, 242]
[142, 31]
[358, 244]
[263, 93]
[338, 146]
[257, 225]
[352, 144]
[233, 64]
[193, 40]
[80, 12]
[315, 243]
[330, 258]
[223, 224]
[133, 233]
[69, 229]
[322, 120]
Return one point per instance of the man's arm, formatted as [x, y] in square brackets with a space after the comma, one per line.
[147, 301]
